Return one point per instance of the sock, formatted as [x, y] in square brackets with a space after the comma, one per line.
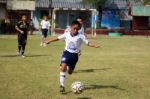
[62, 78]
[19, 48]
[42, 40]
[67, 68]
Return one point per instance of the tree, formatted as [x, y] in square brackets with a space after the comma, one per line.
[97, 3]
[146, 2]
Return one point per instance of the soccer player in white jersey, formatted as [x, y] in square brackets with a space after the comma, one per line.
[45, 25]
[69, 59]
[80, 31]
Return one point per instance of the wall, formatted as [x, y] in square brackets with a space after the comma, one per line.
[140, 23]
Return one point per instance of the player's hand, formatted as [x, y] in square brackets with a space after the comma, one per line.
[21, 32]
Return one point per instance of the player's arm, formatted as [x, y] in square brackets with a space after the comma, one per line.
[19, 30]
[52, 40]
[89, 43]
[56, 39]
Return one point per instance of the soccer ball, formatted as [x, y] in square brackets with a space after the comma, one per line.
[77, 87]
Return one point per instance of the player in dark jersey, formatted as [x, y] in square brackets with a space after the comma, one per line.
[22, 28]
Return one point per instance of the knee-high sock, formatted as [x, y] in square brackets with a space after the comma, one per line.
[62, 78]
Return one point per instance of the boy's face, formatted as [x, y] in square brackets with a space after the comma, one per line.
[45, 18]
[74, 29]
[24, 18]
[80, 21]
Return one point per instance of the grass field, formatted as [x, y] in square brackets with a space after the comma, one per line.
[120, 69]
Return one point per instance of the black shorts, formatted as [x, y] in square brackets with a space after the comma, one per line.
[45, 32]
[70, 59]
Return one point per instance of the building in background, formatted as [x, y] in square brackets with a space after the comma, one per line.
[120, 12]
[12, 10]
[141, 15]
[17, 8]
[125, 15]
[3, 9]
[64, 10]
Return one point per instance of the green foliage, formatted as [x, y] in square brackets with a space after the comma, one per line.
[146, 2]
[97, 3]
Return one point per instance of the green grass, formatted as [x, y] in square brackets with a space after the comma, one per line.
[120, 69]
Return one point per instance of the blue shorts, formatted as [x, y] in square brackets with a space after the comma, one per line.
[70, 59]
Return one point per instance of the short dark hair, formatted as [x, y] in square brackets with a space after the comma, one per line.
[76, 23]
[79, 17]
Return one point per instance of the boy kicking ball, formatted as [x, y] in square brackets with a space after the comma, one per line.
[69, 59]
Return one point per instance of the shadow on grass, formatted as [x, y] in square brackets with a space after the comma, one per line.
[37, 55]
[9, 55]
[25, 55]
[91, 87]
[91, 70]
[68, 92]
[65, 93]
[84, 98]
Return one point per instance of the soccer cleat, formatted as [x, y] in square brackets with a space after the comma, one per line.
[44, 44]
[22, 56]
[62, 89]
[41, 44]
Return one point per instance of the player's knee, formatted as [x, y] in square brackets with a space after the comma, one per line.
[63, 67]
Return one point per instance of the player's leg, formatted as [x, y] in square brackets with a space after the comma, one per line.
[45, 36]
[72, 63]
[24, 41]
[19, 44]
[42, 38]
[23, 44]
[63, 71]
[21, 41]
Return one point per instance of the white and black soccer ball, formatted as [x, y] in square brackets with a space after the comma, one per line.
[77, 87]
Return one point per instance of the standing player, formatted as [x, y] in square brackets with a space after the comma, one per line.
[69, 59]
[22, 27]
[45, 25]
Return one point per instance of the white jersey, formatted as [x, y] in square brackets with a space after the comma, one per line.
[73, 43]
[68, 29]
[45, 24]
[81, 31]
